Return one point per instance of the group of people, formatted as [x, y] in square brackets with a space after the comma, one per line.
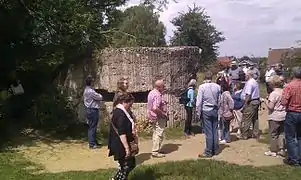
[217, 104]
[123, 139]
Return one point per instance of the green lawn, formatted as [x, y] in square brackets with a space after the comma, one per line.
[12, 167]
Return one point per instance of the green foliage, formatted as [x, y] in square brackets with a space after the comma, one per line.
[39, 40]
[139, 26]
[194, 28]
[262, 67]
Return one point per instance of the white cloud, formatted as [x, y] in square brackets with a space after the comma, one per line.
[250, 26]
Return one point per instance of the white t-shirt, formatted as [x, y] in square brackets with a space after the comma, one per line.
[268, 74]
[245, 70]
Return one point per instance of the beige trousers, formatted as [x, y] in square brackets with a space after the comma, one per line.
[158, 133]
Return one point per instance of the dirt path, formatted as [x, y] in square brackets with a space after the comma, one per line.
[75, 156]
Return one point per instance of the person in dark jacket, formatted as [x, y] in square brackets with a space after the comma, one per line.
[122, 132]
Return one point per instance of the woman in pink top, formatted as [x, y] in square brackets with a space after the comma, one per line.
[226, 107]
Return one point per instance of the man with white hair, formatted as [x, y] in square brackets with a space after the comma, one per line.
[157, 115]
[250, 95]
[207, 102]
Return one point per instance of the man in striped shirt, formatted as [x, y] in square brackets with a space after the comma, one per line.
[157, 115]
[92, 103]
[291, 99]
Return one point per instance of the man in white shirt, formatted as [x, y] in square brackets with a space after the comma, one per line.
[269, 73]
[92, 101]
[250, 95]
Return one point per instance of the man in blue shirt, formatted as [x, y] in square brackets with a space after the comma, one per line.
[92, 103]
[207, 106]
[250, 94]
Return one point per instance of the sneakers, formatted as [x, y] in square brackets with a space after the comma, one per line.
[223, 142]
[270, 153]
[158, 155]
[281, 153]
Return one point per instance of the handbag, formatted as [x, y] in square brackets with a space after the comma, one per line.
[134, 148]
[228, 116]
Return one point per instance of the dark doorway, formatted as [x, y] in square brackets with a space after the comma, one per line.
[140, 97]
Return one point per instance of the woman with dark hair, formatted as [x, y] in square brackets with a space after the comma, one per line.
[122, 136]
[226, 107]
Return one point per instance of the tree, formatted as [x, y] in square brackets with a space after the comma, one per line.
[194, 28]
[39, 40]
[139, 26]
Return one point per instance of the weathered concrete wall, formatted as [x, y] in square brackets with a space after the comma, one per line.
[141, 65]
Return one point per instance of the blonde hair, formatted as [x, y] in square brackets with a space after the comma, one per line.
[276, 81]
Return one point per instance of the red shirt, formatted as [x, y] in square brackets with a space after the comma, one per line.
[291, 96]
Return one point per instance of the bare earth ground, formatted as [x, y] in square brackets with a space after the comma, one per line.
[75, 156]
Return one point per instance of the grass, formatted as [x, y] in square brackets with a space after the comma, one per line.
[12, 167]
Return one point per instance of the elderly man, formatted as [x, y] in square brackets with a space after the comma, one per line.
[207, 106]
[92, 103]
[157, 114]
[291, 99]
[250, 95]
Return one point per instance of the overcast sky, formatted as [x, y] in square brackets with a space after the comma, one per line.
[250, 26]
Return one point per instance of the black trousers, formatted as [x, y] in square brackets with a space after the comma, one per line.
[125, 167]
[187, 127]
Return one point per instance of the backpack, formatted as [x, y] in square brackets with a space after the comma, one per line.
[184, 97]
[238, 102]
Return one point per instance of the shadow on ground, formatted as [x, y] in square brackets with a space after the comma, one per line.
[166, 149]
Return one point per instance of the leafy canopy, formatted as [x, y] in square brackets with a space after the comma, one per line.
[139, 26]
[194, 28]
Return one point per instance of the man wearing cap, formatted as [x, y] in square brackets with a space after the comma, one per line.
[92, 101]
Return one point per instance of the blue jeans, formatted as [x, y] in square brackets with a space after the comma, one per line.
[225, 130]
[292, 130]
[93, 117]
[210, 119]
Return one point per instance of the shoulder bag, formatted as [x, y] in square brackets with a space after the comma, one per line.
[134, 149]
